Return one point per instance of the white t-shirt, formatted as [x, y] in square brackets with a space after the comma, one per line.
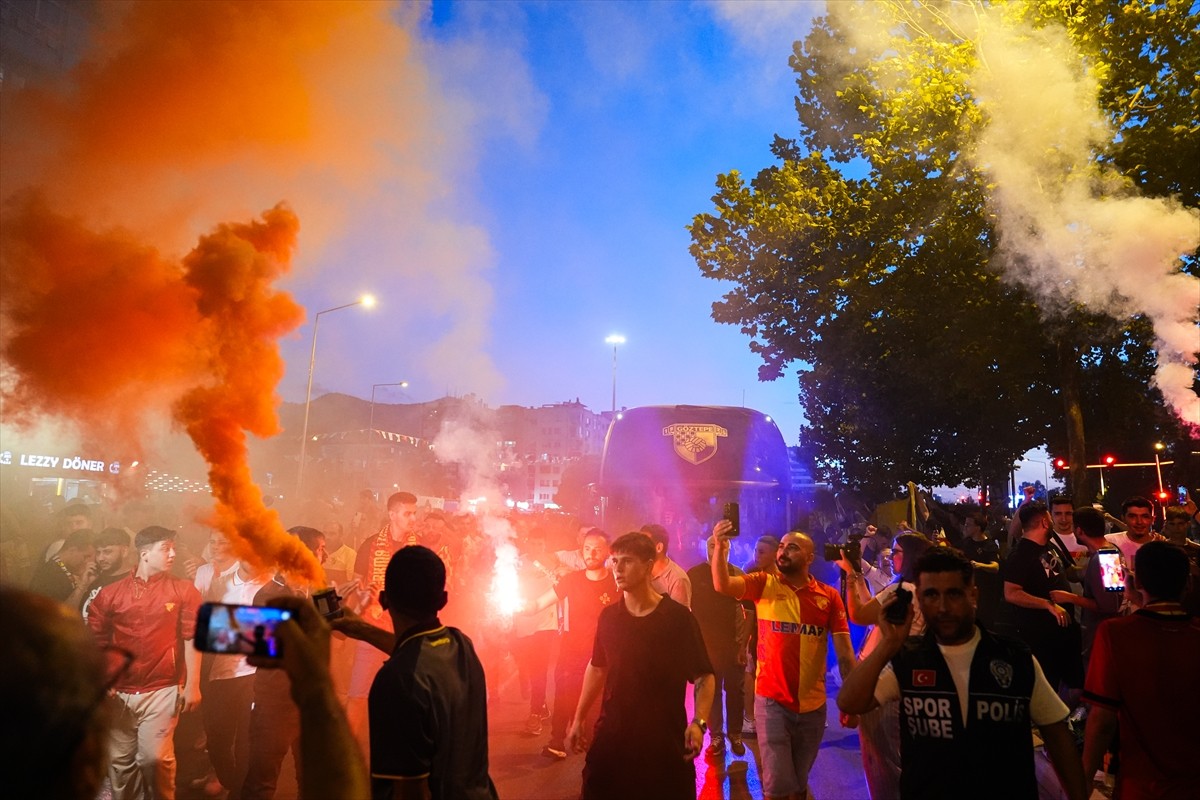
[1127, 546]
[228, 587]
[1045, 707]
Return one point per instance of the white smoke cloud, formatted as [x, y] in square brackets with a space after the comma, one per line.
[1069, 230]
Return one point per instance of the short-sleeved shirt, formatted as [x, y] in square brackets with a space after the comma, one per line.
[428, 717]
[53, 580]
[1144, 667]
[983, 552]
[648, 661]
[675, 583]
[719, 615]
[794, 625]
[583, 601]
[1045, 706]
[1038, 570]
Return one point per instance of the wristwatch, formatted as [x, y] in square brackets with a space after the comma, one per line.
[701, 724]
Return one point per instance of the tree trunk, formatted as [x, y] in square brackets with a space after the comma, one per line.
[1078, 484]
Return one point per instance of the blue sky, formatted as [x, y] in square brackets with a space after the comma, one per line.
[590, 135]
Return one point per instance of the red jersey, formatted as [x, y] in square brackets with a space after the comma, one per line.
[584, 599]
[1144, 667]
[794, 624]
[150, 619]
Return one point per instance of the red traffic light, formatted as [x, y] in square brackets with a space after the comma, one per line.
[1060, 463]
[1162, 496]
[1110, 460]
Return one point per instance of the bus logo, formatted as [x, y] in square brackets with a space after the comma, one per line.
[695, 443]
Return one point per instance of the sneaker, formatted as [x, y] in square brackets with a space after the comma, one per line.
[543, 713]
[716, 746]
[737, 746]
[554, 751]
[748, 728]
[533, 725]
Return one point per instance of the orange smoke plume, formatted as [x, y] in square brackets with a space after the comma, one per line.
[180, 113]
[98, 321]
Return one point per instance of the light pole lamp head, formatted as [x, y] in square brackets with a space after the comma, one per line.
[615, 339]
[367, 301]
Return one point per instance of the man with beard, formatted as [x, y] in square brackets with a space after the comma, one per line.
[584, 594]
[112, 548]
[1035, 585]
[647, 649]
[797, 615]
[370, 568]
[967, 696]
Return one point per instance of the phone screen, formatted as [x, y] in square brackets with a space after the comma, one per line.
[1112, 573]
[239, 630]
[1182, 494]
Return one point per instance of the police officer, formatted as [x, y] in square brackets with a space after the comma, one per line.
[967, 696]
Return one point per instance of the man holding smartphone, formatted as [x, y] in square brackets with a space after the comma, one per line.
[151, 614]
[797, 617]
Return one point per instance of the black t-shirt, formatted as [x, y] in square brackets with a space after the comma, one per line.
[718, 614]
[428, 717]
[585, 599]
[985, 552]
[648, 661]
[1038, 570]
[52, 580]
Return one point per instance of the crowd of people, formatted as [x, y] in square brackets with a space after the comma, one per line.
[976, 635]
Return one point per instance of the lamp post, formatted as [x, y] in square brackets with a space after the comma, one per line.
[366, 301]
[615, 339]
[371, 425]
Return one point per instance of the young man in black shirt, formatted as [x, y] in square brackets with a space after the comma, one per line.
[648, 647]
[428, 703]
[1036, 586]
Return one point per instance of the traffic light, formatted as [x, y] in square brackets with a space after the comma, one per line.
[1163, 496]
[1110, 460]
[1060, 463]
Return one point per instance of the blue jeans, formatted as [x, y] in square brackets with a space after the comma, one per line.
[788, 744]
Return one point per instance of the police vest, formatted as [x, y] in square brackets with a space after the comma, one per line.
[992, 756]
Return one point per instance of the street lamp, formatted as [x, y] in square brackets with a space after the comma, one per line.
[371, 425]
[615, 339]
[366, 301]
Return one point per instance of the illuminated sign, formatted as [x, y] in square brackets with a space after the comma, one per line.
[695, 443]
[72, 462]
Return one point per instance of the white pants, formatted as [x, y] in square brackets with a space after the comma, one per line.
[142, 744]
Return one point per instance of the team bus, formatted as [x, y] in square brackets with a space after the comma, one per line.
[679, 465]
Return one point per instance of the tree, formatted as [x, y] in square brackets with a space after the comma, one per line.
[917, 360]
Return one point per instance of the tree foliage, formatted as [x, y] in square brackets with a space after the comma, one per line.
[917, 359]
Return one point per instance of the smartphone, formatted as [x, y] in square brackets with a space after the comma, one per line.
[239, 630]
[328, 604]
[1112, 572]
[897, 611]
[1182, 495]
[734, 515]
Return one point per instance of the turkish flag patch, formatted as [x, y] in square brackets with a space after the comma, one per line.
[924, 677]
